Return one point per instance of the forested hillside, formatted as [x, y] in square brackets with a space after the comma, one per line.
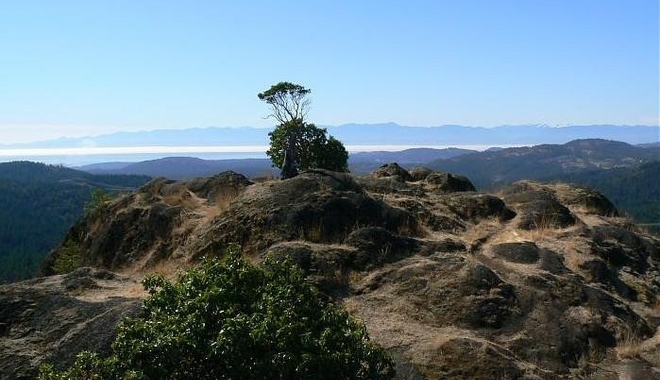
[635, 191]
[38, 203]
[627, 175]
[492, 169]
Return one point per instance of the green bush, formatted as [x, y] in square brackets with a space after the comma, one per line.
[234, 320]
[313, 146]
[99, 199]
[69, 258]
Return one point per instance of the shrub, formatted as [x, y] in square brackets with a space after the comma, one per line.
[69, 258]
[99, 199]
[314, 148]
[235, 320]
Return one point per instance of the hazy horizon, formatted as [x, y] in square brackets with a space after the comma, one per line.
[8, 143]
[76, 68]
[86, 156]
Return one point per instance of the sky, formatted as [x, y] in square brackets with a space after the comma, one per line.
[85, 68]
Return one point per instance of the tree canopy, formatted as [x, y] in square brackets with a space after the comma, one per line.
[235, 320]
[296, 144]
[288, 101]
[314, 148]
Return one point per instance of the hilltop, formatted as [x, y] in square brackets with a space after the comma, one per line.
[537, 281]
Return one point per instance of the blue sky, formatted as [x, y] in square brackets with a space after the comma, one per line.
[72, 68]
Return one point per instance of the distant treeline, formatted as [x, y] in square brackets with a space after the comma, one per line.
[634, 191]
[38, 204]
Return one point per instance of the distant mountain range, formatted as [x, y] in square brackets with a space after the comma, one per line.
[453, 135]
[487, 169]
[491, 169]
[369, 134]
[603, 164]
[190, 167]
[365, 162]
[185, 167]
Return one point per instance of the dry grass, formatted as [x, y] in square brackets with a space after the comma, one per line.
[631, 346]
[167, 268]
[185, 198]
[224, 199]
[543, 229]
[313, 232]
[265, 177]
[128, 287]
[476, 236]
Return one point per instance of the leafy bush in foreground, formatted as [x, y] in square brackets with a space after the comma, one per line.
[234, 320]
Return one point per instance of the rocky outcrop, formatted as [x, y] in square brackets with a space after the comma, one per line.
[540, 281]
[217, 189]
[316, 206]
[448, 182]
[51, 319]
[394, 171]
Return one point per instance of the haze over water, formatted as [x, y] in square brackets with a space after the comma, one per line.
[92, 155]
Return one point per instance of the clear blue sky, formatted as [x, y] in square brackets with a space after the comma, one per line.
[92, 67]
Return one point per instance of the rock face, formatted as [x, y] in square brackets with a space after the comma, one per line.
[542, 281]
[51, 319]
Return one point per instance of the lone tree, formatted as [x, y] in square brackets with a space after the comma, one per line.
[288, 101]
[295, 144]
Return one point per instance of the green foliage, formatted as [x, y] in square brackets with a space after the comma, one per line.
[234, 320]
[38, 203]
[288, 101]
[492, 169]
[99, 199]
[88, 366]
[69, 258]
[314, 148]
[633, 190]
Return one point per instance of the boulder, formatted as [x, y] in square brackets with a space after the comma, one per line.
[393, 170]
[419, 173]
[584, 200]
[521, 253]
[474, 208]
[537, 207]
[219, 187]
[448, 183]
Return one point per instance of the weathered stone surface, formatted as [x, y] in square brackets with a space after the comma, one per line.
[394, 171]
[419, 173]
[585, 200]
[316, 206]
[541, 281]
[474, 208]
[448, 182]
[523, 253]
[51, 319]
[219, 187]
[537, 207]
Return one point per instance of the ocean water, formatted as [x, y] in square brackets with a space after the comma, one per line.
[73, 157]
[85, 156]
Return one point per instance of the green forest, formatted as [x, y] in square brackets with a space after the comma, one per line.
[38, 204]
[634, 191]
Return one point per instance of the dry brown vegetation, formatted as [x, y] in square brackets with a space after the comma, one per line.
[537, 282]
